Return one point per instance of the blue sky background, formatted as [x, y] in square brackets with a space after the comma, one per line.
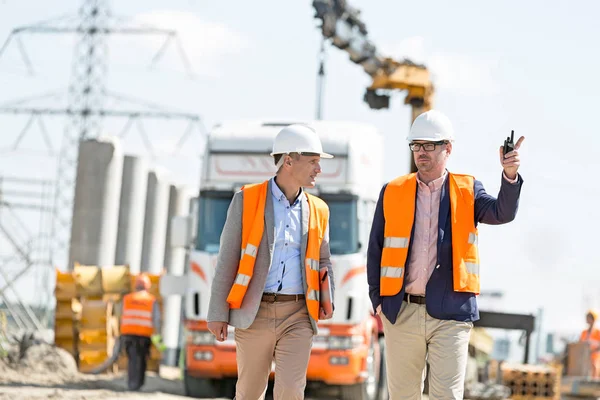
[528, 66]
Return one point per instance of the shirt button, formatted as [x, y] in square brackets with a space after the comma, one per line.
[286, 244]
[287, 226]
[437, 266]
[282, 262]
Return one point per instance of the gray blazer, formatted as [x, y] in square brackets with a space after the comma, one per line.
[229, 259]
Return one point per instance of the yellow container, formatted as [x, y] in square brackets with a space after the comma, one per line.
[65, 288]
[93, 314]
[116, 279]
[64, 310]
[90, 359]
[88, 280]
[63, 329]
[92, 336]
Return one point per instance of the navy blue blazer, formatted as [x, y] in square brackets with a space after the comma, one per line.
[442, 301]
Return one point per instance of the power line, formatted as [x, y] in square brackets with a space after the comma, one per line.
[87, 95]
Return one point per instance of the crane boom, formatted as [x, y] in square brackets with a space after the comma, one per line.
[342, 24]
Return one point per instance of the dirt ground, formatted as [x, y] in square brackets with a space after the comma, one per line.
[47, 372]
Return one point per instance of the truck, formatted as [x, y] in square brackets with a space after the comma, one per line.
[347, 355]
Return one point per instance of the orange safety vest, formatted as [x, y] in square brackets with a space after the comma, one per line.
[255, 197]
[136, 318]
[594, 338]
[399, 213]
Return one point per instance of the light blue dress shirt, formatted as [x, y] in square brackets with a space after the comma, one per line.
[285, 272]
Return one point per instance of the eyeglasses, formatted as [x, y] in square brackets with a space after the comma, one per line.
[429, 146]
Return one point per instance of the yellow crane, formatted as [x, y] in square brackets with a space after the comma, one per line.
[341, 24]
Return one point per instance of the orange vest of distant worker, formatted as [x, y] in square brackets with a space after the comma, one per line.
[594, 338]
[255, 196]
[136, 318]
[399, 212]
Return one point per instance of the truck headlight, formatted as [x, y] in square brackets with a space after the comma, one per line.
[201, 338]
[345, 342]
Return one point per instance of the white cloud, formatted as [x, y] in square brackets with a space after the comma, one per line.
[464, 73]
[207, 44]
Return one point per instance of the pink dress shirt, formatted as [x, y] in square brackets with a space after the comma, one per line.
[423, 255]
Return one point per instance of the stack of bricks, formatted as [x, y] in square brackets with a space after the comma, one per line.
[528, 382]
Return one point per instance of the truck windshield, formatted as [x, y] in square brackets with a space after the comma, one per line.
[343, 223]
[212, 212]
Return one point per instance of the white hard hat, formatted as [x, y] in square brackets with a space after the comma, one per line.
[433, 126]
[298, 138]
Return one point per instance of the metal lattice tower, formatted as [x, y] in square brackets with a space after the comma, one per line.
[86, 93]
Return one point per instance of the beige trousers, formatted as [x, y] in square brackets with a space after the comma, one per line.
[281, 332]
[415, 338]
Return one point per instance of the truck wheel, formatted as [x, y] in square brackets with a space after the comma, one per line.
[199, 388]
[367, 390]
[383, 393]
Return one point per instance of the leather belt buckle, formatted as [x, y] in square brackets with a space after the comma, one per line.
[269, 297]
[410, 298]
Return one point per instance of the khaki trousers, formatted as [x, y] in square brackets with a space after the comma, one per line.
[417, 337]
[282, 333]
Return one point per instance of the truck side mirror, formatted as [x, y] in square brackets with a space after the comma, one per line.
[181, 231]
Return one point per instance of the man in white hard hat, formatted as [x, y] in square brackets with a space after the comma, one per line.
[423, 262]
[270, 290]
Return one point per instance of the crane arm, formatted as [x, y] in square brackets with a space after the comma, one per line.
[342, 24]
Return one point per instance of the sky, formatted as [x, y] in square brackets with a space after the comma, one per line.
[528, 66]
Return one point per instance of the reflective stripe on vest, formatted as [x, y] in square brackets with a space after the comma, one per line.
[465, 253]
[254, 200]
[136, 318]
[317, 225]
[399, 211]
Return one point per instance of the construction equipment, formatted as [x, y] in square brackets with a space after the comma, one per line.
[87, 315]
[347, 355]
[341, 24]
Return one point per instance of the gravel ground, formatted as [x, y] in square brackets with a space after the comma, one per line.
[48, 372]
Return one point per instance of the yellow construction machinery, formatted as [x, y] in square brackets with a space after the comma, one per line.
[341, 24]
[87, 319]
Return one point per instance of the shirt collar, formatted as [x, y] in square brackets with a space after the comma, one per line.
[436, 184]
[278, 193]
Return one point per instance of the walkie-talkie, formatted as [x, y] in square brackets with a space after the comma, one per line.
[509, 144]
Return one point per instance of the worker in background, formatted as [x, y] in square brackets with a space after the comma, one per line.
[140, 327]
[269, 291]
[423, 263]
[592, 336]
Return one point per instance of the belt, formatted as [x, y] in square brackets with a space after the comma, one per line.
[275, 297]
[411, 298]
